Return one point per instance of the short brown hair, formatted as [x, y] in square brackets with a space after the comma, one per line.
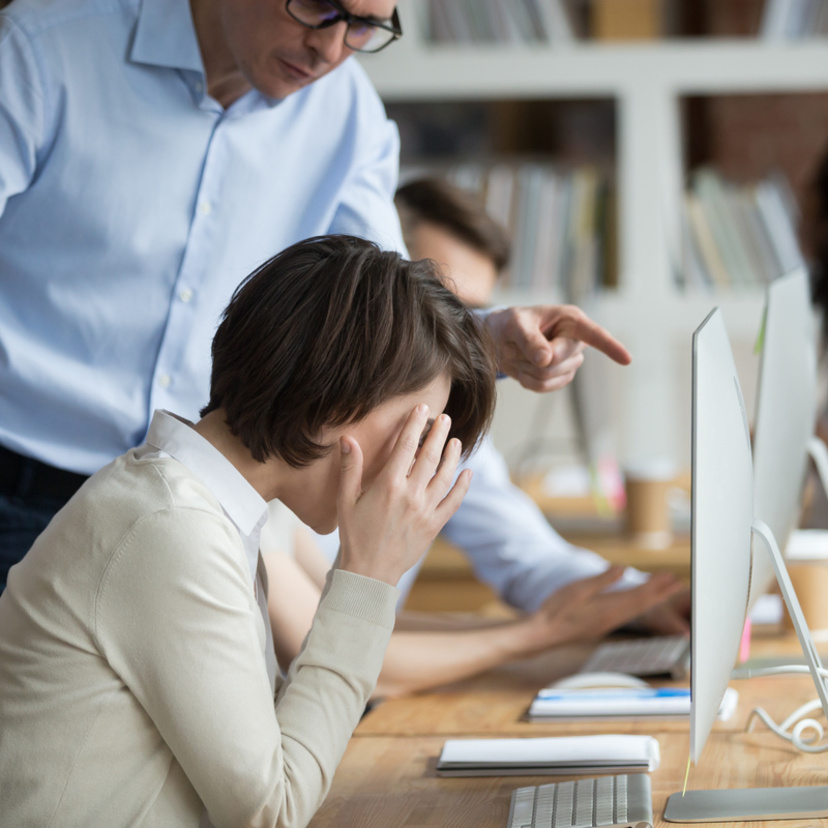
[461, 213]
[333, 327]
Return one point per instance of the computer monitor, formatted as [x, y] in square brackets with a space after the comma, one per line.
[722, 521]
[785, 416]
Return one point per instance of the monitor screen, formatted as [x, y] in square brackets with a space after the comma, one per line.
[785, 416]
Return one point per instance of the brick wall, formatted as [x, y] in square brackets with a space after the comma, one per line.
[746, 136]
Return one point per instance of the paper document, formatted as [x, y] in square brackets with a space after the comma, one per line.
[567, 755]
[661, 702]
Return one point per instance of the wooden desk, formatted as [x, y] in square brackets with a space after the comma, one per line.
[388, 779]
[496, 702]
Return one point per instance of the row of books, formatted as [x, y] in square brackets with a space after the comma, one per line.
[562, 21]
[561, 222]
[792, 19]
[563, 227]
[738, 235]
[495, 21]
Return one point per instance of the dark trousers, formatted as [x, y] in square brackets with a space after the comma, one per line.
[31, 493]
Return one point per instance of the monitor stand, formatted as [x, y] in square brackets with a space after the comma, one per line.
[748, 805]
[759, 804]
[819, 455]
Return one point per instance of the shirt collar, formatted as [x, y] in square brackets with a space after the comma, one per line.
[241, 502]
[166, 36]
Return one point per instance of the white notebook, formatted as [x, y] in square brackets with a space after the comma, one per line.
[562, 755]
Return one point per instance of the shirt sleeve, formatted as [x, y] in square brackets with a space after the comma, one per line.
[22, 106]
[177, 620]
[366, 207]
[511, 544]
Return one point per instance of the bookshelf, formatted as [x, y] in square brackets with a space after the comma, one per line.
[648, 82]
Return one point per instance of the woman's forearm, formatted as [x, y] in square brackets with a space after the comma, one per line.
[419, 660]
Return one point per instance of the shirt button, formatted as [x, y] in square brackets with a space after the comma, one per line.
[199, 87]
[205, 208]
[186, 295]
[165, 380]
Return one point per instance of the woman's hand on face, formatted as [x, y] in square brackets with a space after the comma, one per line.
[387, 527]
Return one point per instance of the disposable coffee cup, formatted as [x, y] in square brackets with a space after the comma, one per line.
[647, 485]
[810, 583]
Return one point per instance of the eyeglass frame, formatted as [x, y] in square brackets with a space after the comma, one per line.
[393, 26]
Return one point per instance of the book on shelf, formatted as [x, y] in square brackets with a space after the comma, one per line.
[778, 209]
[628, 20]
[526, 230]
[794, 19]
[715, 196]
[738, 235]
[561, 222]
[703, 264]
[494, 21]
[556, 22]
[499, 193]
[585, 270]
[755, 236]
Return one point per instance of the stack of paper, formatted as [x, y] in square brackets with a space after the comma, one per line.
[566, 755]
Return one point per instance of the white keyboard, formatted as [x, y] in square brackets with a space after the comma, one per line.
[621, 801]
[656, 656]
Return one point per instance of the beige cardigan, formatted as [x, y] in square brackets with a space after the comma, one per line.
[133, 689]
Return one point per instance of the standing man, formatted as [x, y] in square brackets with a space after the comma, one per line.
[152, 152]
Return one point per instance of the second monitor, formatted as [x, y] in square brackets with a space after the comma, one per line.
[722, 522]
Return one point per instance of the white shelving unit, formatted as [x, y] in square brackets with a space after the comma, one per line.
[648, 311]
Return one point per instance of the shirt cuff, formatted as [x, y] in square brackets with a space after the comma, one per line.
[365, 598]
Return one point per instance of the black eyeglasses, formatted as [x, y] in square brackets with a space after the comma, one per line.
[362, 34]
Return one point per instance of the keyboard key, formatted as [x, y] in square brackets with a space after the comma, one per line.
[564, 805]
[523, 806]
[545, 805]
[604, 796]
[584, 802]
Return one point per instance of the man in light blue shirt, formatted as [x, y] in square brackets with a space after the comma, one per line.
[151, 154]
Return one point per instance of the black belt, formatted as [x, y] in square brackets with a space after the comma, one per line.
[22, 476]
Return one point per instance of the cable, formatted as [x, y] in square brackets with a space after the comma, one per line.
[799, 727]
[758, 672]
[805, 733]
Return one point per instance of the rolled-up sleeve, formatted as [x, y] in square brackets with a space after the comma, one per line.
[511, 544]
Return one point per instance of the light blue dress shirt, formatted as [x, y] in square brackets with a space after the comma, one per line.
[132, 204]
